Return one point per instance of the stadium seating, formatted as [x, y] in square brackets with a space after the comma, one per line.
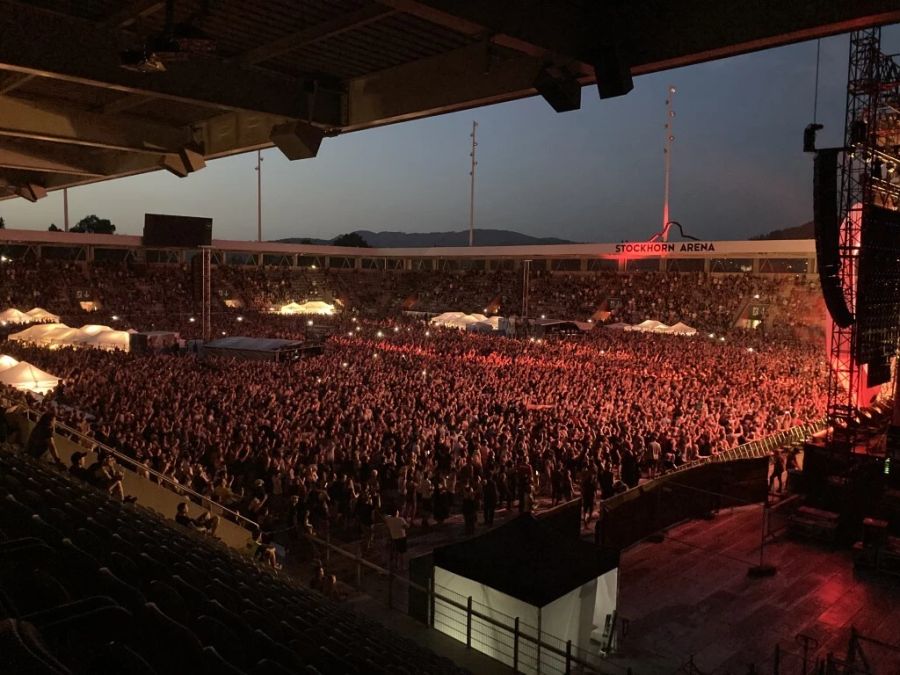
[92, 585]
[161, 297]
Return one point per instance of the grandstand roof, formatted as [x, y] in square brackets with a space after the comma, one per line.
[71, 114]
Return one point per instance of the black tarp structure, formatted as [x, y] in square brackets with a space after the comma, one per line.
[545, 327]
[527, 559]
[260, 349]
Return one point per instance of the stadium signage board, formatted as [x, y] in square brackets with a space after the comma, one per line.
[645, 247]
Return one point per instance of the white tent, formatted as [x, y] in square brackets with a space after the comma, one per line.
[13, 315]
[110, 340]
[681, 329]
[558, 587]
[457, 320]
[27, 377]
[309, 307]
[93, 329]
[41, 314]
[7, 362]
[649, 326]
[35, 333]
[443, 319]
[55, 335]
[59, 336]
[618, 325]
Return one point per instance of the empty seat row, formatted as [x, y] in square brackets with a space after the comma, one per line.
[92, 585]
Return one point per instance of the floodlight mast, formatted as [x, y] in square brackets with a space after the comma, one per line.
[472, 187]
[667, 159]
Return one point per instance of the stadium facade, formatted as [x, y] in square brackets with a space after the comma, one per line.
[794, 256]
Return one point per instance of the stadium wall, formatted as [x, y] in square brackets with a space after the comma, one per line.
[758, 257]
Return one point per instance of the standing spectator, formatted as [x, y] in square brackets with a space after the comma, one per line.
[489, 499]
[778, 469]
[396, 526]
[469, 509]
[588, 495]
[41, 442]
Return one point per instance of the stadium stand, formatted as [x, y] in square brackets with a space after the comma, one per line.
[92, 585]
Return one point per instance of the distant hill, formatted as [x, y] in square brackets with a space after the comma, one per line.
[804, 231]
[427, 239]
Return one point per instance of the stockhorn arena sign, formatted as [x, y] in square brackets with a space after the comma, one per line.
[645, 247]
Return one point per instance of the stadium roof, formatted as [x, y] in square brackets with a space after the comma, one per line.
[241, 75]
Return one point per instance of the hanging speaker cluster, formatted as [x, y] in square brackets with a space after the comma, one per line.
[186, 160]
[613, 71]
[31, 191]
[827, 233]
[297, 140]
[562, 90]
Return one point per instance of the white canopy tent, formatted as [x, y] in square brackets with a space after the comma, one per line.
[681, 329]
[55, 335]
[309, 307]
[648, 326]
[458, 320]
[13, 315]
[93, 329]
[36, 333]
[41, 314]
[653, 326]
[27, 377]
[7, 362]
[110, 340]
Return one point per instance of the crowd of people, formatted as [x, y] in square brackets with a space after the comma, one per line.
[165, 297]
[397, 416]
[408, 423]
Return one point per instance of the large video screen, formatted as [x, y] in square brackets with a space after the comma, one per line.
[878, 286]
[177, 231]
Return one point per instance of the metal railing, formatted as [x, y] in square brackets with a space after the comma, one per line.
[507, 639]
[512, 642]
[752, 449]
[92, 444]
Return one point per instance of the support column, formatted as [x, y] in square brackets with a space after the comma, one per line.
[206, 300]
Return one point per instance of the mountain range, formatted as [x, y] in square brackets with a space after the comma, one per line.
[427, 239]
[804, 231]
[493, 238]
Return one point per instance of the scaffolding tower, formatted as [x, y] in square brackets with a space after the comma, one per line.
[870, 170]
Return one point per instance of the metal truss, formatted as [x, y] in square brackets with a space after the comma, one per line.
[869, 165]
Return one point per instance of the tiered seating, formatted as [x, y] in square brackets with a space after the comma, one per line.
[90, 585]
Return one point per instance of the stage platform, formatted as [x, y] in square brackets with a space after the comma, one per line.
[690, 596]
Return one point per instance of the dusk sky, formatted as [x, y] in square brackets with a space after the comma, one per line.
[591, 175]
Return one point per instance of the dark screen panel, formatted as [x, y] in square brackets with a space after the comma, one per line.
[178, 231]
[878, 287]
